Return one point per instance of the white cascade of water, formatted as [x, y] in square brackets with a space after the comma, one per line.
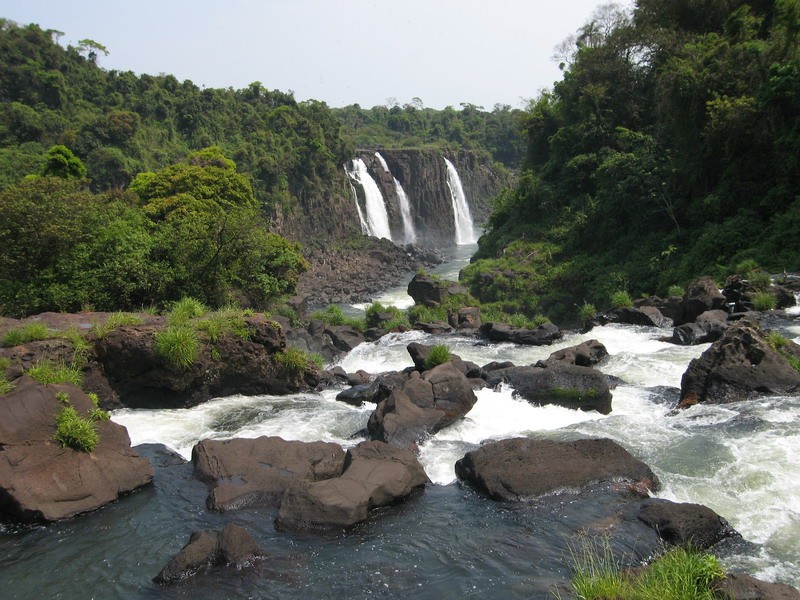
[361, 219]
[409, 233]
[465, 232]
[377, 219]
[382, 161]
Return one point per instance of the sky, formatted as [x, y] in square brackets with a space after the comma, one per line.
[369, 52]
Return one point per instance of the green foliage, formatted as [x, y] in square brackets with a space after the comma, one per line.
[587, 311]
[46, 371]
[178, 345]
[425, 314]
[5, 385]
[229, 320]
[27, 333]
[98, 414]
[678, 574]
[620, 299]
[775, 340]
[398, 317]
[295, 361]
[186, 309]
[114, 321]
[80, 345]
[94, 398]
[675, 290]
[62, 397]
[759, 280]
[61, 162]
[438, 355]
[73, 431]
[764, 301]
[333, 315]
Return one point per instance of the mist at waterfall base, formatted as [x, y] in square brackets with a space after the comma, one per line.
[446, 542]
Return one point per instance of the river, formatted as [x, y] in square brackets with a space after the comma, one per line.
[739, 459]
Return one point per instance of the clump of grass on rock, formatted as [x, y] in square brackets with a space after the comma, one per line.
[438, 355]
[178, 345]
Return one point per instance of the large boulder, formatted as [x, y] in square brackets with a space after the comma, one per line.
[740, 365]
[739, 586]
[375, 475]
[648, 316]
[344, 338]
[585, 354]
[467, 317]
[685, 524]
[559, 383]
[245, 471]
[428, 290]
[701, 295]
[521, 468]
[670, 308]
[42, 481]
[233, 546]
[422, 406]
[542, 335]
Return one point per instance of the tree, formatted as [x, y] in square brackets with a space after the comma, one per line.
[91, 48]
[61, 162]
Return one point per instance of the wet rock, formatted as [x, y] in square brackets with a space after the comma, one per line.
[647, 316]
[246, 471]
[691, 334]
[344, 338]
[233, 546]
[375, 475]
[738, 586]
[701, 295]
[434, 327]
[521, 468]
[685, 524]
[40, 480]
[670, 308]
[586, 354]
[468, 317]
[432, 291]
[422, 406]
[740, 365]
[560, 384]
[543, 335]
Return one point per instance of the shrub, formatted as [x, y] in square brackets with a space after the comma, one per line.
[759, 280]
[185, 309]
[178, 345]
[438, 355]
[746, 266]
[621, 299]
[764, 301]
[295, 361]
[115, 320]
[73, 431]
[46, 372]
[587, 311]
[675, 290]
[27, 333]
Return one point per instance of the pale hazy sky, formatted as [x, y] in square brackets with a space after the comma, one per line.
[340, 51]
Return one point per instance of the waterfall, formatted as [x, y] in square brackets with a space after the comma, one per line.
[409, 234]
[377, 219]
[382, 161]
[364, 228]
[465, 232]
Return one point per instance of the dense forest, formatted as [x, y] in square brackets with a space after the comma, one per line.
[104, 173]
[669, 149]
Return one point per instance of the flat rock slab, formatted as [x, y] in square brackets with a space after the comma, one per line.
[375, 475]
[685, 524]
[40, 480]
[543, 335]
[521, 468]
[246, 471]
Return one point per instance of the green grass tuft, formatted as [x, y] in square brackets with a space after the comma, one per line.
[178, 345]
[62, 397]
[586, 311]
[620, 299]
[334, 316]
[73, 431]
[764, 301]
[675, 290]
[6, 387]
[114, 321]
[27, 333]
[225, 321]
[438, 355]
[294, 360]
[98, 414]
[759, 280]
[184, 310]
[46, 372]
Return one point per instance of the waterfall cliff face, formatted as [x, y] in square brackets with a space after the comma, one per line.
[430, 181]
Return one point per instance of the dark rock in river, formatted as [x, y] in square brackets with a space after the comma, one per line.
[422, 406]
[233, 546]
[468, 317]
[586, 354]
[560, 384]
[670, 308]
[739, 366]
[685, 524]
[691, 334]
[432, 291]
[375, 475]
[738, 586]
[522, 468]
[434, 327]
[647, 316]
[702, 295]
[246, 471]
[40, 480]
[543, 335]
